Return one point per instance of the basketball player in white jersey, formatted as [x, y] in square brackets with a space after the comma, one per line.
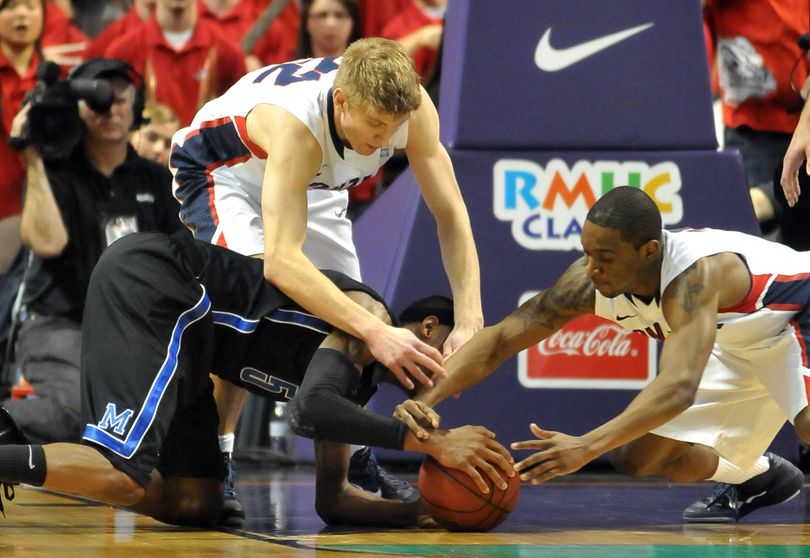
[732, 313]
[244, 168]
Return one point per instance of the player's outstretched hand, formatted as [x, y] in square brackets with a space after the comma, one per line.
[474, 450]
[418, 417]
[798, 152]
[559, 455]
[401, 352]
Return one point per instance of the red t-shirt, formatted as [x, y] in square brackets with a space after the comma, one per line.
[118, 28]
[280, 42]
[62, 41]
[235, 23]
[757, 45]
[204, 68]
[378, 13]
[13, 88]
[409, 20]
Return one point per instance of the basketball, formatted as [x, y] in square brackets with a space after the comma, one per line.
[455, 502]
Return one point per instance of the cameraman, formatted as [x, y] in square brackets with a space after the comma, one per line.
[73, 209]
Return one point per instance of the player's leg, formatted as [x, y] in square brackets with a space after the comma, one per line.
[768, 384]
[147, 345]
[186, 487]
[230, 400]
[235, 223]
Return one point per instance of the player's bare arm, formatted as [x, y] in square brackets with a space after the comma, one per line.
[798, 152]
[293, 158]
[571, 296]
[338, 502]
[690, 306]
[434, 173]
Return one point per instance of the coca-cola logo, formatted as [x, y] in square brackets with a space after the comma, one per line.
[605, 340]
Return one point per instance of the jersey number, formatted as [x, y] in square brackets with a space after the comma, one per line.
[268, 383]
[287, 72]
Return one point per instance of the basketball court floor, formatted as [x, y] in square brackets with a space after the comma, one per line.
[584, 515]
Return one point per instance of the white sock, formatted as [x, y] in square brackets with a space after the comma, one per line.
[356, 448]
[226, 442]
[728, 472]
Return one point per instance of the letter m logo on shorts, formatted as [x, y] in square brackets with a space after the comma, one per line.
[113, 420]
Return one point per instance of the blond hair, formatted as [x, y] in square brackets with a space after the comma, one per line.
[158, 113]
[379, 73]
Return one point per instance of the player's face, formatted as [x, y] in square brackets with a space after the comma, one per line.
[365, 129]
[612, 265]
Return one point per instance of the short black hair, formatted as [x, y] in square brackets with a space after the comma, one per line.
[439, 306]
[630, 211]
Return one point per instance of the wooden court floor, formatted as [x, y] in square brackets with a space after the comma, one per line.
[582, 516]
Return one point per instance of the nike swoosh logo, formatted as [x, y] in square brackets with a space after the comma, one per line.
[620, 318]
[31, 459]
[550, 59]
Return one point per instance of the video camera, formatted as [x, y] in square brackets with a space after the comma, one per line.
[54, 126]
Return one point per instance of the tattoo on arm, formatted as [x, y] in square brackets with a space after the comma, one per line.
[690, 287]
[571, 296]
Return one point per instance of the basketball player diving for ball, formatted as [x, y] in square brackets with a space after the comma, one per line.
[164, 311]
[732, 313]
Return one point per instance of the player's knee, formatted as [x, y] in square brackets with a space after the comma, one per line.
[301, 416]
[630, 463]
[120, 488]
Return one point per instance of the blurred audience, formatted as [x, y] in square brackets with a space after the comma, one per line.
[62, 41]
[139, 12]
[327, 27]
[279, 41]
[74, 207]
[757, 56]
[184, 60]
[21, 24]
[419, 29]
[153, 140]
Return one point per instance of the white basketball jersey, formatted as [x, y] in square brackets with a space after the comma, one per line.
[302, 88]
[779, 278]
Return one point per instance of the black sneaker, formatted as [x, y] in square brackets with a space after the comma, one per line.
[729, 502]
[10, 434]
[365, 472]
[233, 515]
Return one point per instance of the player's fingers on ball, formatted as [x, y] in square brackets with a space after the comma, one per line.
[492, 472]
[477, 478]
[504, 460]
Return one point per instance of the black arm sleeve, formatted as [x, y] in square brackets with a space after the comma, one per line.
[322, 408]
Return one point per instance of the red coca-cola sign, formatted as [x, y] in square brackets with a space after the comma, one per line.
[590, 352]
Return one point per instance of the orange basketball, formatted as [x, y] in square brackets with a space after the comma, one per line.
[455, 502]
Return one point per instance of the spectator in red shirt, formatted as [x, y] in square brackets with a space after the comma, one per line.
[62, 42]
[280, 42]
[233, 18]
[419, 29]
[185, 61]
[378, 13]
[21, 23]
[139, 13]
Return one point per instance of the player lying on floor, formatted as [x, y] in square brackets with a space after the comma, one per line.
[164, 311]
